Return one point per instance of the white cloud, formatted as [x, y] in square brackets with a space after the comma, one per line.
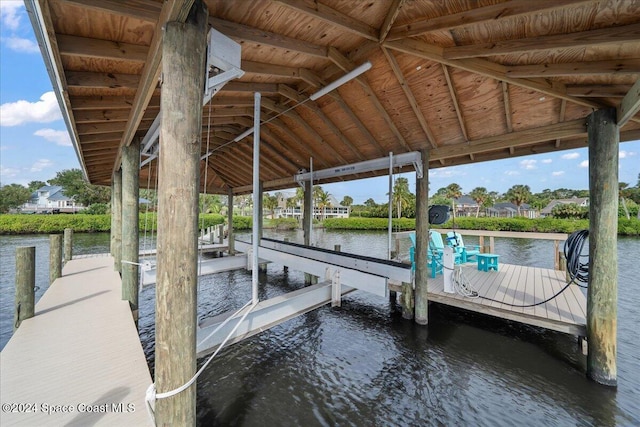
[41, 164]
[547, 161]
[9, 15]
[623, 154]
[60, 137]
[511, 173]
[584, 164]
[43, 111]
[557, 173]
[528, 164]
[445, 172]
[8, 172]
[571, 156]
[21, 45]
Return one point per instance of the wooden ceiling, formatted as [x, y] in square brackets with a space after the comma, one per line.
[468, 80]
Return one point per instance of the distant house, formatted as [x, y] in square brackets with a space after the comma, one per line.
[335, 211]
[466, 206]
[580, 201]
[509, 210]
[51, 199]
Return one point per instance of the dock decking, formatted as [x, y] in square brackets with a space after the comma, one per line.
[520, 285]
[80, 355]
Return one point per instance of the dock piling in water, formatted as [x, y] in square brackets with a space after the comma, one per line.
[55, 257]
[25, 284]
[602, 298]
[68, 244]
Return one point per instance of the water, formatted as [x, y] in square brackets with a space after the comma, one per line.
[362, 364]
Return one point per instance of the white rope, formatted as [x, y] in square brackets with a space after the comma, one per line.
[151, 396]
[132, 263]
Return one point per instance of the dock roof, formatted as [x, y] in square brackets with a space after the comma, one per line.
[469, 81]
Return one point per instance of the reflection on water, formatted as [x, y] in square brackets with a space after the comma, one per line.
[361, 364]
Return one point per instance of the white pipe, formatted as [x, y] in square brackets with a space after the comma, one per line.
[342, 80]
[390, 201]
[256, 195]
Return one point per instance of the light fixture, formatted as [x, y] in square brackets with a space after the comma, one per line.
[342, 80]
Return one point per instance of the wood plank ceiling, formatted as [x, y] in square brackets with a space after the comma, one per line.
[469, 80]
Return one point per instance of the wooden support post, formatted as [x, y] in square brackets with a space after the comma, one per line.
[55, 257]
[116, 220]
[68, 244]
[602, 297]
[183, 56]
[286, 269]
[25, 284]
[481, 244]
[407, 300]
[130, 227]
[556, 254]
[220, 233]
[492, 245]
[422, 242]
[230, 237]
[337, 248]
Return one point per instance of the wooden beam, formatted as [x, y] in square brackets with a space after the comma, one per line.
[563, 110]
[98, 138]
[120, 115]
[598, 91]
[250, 34]
[300, 99]
[172, 10]
[87, 79]
[270, 69]
[347, 65]
[485, 68]
[410, 97]
[93, 128]
[332, 17]
[102, 102]
[390, 18]
[476, 16]
[507, 106]
[569, 129]
[101, 49]
[609, 35]
[630, 105]
[227, 112]
[592, 68]
[263, 88]
[454, 99]
[147, 10]
[234, 101]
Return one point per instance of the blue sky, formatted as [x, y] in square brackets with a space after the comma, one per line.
[34, 143]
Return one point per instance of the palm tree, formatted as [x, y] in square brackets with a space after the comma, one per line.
[271, 203]
[453, 192]
[518, 194]
[622, 191]
[401, 196]
[323, 201]
[346, 201]
[480, 196]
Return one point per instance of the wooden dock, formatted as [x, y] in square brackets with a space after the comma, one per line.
[520, 285]
[79, 358]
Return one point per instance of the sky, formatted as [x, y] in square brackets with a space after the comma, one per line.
[35, 144]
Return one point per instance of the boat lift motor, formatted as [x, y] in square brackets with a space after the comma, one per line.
[447, 269]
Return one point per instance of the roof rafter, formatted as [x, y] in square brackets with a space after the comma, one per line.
[630, 104]
[593, 68]
[621, 34]
[105, 49]
[598, 91]
[485, 68]
[393, 62]
[454, 99]
[147, 10]
[333, 17]
[347, 65]
[476, 16]
[390, 18]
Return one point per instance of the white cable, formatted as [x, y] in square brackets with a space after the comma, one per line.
[461, 285]
[151, 396]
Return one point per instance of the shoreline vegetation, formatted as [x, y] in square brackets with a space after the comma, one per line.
[82, 223]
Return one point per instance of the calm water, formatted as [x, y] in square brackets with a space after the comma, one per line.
[362, 364]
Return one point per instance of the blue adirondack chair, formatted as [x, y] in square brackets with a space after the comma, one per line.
[467, 252]
[434, 252]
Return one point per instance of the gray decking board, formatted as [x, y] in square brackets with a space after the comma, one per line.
[81, 348]
[515, 284]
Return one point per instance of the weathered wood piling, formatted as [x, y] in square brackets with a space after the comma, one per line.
[68, 244]
[25, 284]
[55, 257]
[602, 297]
[130, 225]
[422, 243]
[116, 220]
[183, 64]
